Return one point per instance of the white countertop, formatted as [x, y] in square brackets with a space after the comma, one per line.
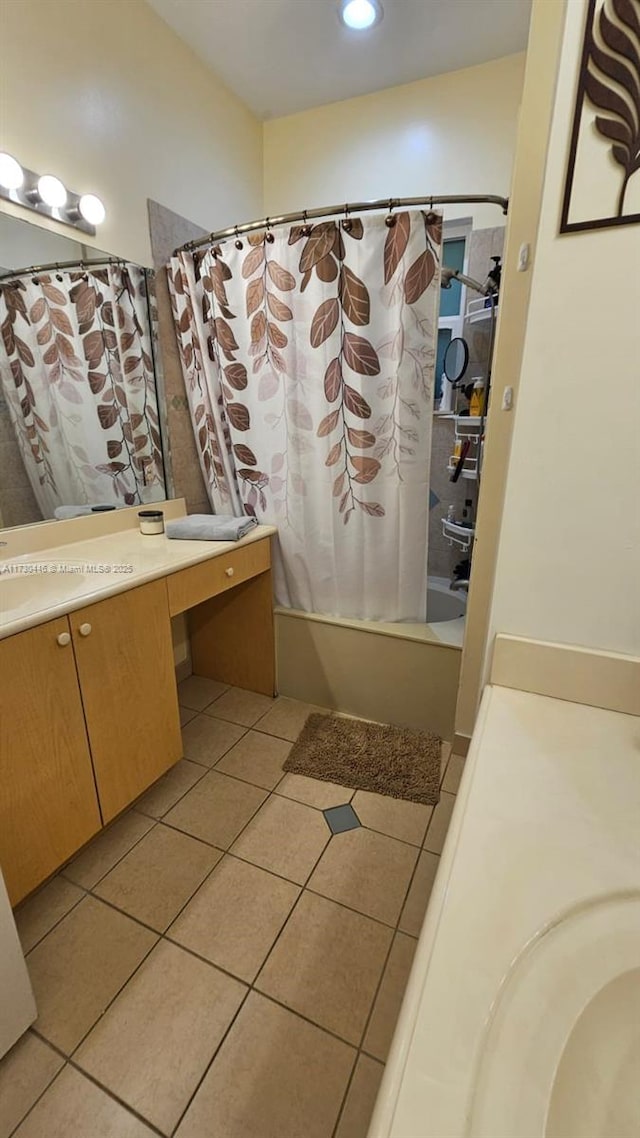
[546, 822]
[37, 587]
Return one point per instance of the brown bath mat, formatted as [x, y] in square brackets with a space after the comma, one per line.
[369, 756]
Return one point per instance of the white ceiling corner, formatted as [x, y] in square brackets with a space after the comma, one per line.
[283, 56]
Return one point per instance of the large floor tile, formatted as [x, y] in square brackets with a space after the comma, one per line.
[284, 837]
[103, 851]
[74, 1107]
[367, 871]
[286, 718]
[275, 1076]
[439, 824]
[240, 706]
[417, 900]
[157, 878]
[197, 692]
[257, 758]
[394, 817]
[80, 966]
[327, 964]
[186, 714]
[25, 1072]
[389, 999]
[451, 780]
[361, 1099]
[313, 791]
[445, 752]
[157, 1039]
[205, 739]
[170, 788]
[44, 909]
[235, 917]
[217, 809]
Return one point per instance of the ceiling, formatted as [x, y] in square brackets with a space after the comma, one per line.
[282, 56]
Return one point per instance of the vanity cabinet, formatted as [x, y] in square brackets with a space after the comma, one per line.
[48, 802]
[89, 714]
[88, 720]
[124, 657]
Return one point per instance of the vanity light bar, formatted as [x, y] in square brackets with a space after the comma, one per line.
[47, 195]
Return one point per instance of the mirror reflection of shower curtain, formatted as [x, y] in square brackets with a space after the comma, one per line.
[76, 369]
[308, 357]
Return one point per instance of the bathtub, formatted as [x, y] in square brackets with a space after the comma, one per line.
[522, 1011]
[394, 673]
[442, 604]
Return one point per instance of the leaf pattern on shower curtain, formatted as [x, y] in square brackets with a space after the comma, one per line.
[268, 293]
[190, 286]
[78, 377]
[398, 426]
[320, 347]
[324, 253]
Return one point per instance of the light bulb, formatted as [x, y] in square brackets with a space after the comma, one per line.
[361, 14]
[11, 173]
[92, 209]
[52, 191]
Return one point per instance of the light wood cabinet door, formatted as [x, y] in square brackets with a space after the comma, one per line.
[48, 802]
[125, 664]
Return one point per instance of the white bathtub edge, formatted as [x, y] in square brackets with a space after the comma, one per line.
[394, 1071]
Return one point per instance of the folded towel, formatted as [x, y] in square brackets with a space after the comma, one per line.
[63, 513]
[210, 527]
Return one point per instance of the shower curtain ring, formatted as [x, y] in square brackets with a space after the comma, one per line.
[306, 228]
[238, 241]
[268, 235]
[390, 219]
[59, 276]
[347, 224]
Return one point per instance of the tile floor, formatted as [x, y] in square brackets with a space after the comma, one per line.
[219, 963]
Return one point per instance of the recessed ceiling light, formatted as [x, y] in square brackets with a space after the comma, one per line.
[52, 191]
[11, 173]
[360, 14]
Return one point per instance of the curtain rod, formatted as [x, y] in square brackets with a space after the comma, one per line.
[62, 265]
[350, 207]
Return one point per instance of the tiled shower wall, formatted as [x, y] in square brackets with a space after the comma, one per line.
[169, 231]
[483, 244]
[18, 506]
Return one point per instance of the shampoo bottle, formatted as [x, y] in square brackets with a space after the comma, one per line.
[476, 407]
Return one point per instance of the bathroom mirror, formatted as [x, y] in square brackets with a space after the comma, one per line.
[456, 359]
[79, 409]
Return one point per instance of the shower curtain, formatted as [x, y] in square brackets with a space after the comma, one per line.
[76, 370]
[308, 356]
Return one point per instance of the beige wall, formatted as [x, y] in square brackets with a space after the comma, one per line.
[569, 556]
[534, 123]
[105, 96]
[450, 134]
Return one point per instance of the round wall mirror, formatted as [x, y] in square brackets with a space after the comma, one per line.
[456, 359]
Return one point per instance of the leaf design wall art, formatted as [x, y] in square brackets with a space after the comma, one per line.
[602, 186]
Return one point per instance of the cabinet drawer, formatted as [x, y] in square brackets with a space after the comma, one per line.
[192, 586]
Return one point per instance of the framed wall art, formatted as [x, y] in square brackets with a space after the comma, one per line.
[602, 184]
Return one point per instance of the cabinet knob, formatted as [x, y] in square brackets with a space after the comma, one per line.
[63, 639]
[229, 571]
[84, 629]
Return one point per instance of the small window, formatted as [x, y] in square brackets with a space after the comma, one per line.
[453, 253]
[453, 300]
